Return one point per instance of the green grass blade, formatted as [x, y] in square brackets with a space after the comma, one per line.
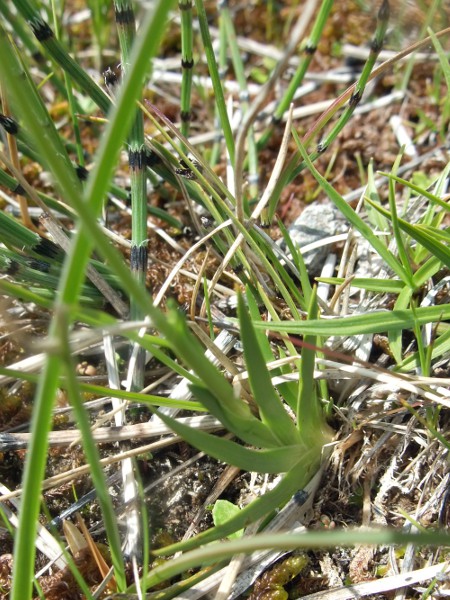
[273, 460]
[292, 481]
[353, 218]
[214, 553]
[310, 420]
[73, 273]
[425, 236]
[390, 286]
[237, 418]
[215, 77]
[92, 455]
[271, 409]
[403, 255]
[371, 322]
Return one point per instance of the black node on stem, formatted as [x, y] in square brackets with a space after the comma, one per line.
[138, 258]
[82, 172]
[9, 125]
[14, 266]
[41, 30]
[19, 190]
[355, 99]
[39, 265]
[48, 248]
[310, 49]
[124, 17]
[152, 159]
[137, 159]
[375, 46]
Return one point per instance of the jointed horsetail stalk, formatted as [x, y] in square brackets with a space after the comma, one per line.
[126, 28]
[45, 35]
[295, 165]
[308, 52]
[59, 54]
[187, 63]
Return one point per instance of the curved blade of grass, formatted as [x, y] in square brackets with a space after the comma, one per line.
[353, 218]
[441, 346]
[298, 261]
[273, 460]
[310, 419]
[419, 190]
[91, 451]
[293, 481]
[237, 418]
[395, 336]
[226, 20]
[215, 78]
[73, 273]
[443, 60]
[213, 553]
[402, 253]
[423, 235]
[271, 409]
[403, 300]
[389, 286]
[371, 322]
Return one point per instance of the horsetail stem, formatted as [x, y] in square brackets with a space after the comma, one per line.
[59, 54]
[308, 52]
[187, 63]
[375, 49]
[126, 28]
[46, 37]
[294, 167]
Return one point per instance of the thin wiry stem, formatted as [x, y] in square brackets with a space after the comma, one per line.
[260, 99]
[187, 63]
[126, 28]
[308, 52]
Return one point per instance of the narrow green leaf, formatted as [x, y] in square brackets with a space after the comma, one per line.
[395, 336]
[389, 286]
[353, 218]
[270, 406]
[275, 460]
[240, 422]
[294, 480]
[372, 322]
[310, 420]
